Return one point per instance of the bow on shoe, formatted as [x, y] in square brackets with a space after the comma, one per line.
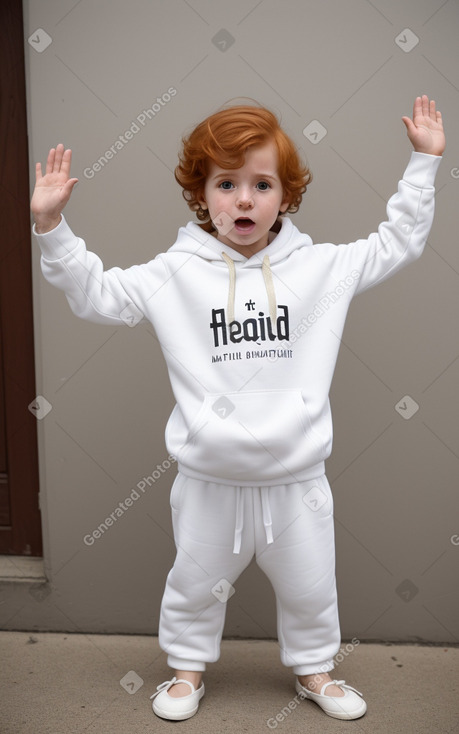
[164, 687]
[342, 684]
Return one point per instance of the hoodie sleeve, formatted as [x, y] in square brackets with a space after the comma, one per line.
[402, 237]
[114, 296]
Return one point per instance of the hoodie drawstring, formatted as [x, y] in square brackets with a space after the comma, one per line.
[239, 523]
[269, 285]
[232, 286]
[268, 278]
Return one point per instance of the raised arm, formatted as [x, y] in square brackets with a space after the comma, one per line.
[402, 237]
[52, 191]
[113, 296]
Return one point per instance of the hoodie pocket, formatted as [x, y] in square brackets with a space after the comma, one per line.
[252, 436]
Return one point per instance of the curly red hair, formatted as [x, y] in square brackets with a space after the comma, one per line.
[224, 138]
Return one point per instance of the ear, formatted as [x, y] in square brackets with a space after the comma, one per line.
[284, 206]
[201, 200]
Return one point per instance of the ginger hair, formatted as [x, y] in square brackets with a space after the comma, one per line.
[224, 138]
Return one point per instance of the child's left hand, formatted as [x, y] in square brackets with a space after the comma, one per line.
[425, 130]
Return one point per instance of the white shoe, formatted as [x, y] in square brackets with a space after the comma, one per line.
[349, 706]
[176, 709]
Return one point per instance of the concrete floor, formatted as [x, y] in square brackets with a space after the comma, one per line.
[56, 683]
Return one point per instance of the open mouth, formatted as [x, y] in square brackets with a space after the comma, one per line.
[244, 224]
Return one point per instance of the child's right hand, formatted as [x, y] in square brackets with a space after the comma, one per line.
[52, 191]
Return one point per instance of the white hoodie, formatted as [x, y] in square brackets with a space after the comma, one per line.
[250, 343]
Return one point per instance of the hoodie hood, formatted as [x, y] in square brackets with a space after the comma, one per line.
[281, 243]
[194, 240]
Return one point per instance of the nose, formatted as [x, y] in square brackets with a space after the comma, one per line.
[244, 199]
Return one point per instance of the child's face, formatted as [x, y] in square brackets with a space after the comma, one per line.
[244, 203]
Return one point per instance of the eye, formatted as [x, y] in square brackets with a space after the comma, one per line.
[226, 185]
[263, 186]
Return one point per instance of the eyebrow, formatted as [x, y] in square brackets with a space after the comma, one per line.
[231, 172]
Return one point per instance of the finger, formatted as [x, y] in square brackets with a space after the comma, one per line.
[38, 174]
[58, 158]
[66, 161]
[417, 107]
[70, 184]
[425, 105]
[50, 160]
[432, 111]
[409, 124]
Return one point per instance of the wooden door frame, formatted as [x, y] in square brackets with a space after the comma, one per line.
[23, 535]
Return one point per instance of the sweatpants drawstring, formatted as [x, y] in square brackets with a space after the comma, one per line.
[267, 519]
[239, 522]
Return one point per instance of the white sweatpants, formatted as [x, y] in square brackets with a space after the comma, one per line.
[217, 531]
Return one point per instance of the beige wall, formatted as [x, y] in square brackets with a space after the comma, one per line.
[395, 481]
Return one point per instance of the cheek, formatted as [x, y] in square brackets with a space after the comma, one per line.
[218, 202]
[273, 205]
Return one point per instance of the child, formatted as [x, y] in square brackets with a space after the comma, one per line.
[237, 304]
